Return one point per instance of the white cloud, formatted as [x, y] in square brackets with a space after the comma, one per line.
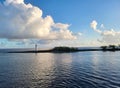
[24, 21]
[79, 34]
[94, 26]
[61, 26]
[108, 36]
[14, 1]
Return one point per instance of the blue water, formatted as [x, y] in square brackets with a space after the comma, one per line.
[64, 70]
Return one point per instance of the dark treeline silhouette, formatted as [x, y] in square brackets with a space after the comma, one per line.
[110, 48]
[65, 49]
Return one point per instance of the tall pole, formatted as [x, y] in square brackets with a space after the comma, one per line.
[35, 47]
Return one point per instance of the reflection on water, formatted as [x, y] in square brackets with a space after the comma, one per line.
[64, 70]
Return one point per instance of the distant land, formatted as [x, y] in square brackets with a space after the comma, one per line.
[63, 49]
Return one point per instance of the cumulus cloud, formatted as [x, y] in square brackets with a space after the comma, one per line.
[24, 21]
[108, 36]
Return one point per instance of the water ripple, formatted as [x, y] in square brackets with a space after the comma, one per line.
[68, 70]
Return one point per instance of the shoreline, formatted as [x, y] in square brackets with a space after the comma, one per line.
[53, 51]
[64, 49]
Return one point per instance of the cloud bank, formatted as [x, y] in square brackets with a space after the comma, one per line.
[24, 21]
[108, 36]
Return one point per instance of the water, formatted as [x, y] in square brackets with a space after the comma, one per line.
[64, 70]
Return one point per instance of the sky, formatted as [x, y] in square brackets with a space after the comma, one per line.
[49, 23]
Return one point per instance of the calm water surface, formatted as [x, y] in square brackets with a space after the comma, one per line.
[65, 70]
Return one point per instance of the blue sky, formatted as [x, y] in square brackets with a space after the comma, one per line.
[79, 14]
